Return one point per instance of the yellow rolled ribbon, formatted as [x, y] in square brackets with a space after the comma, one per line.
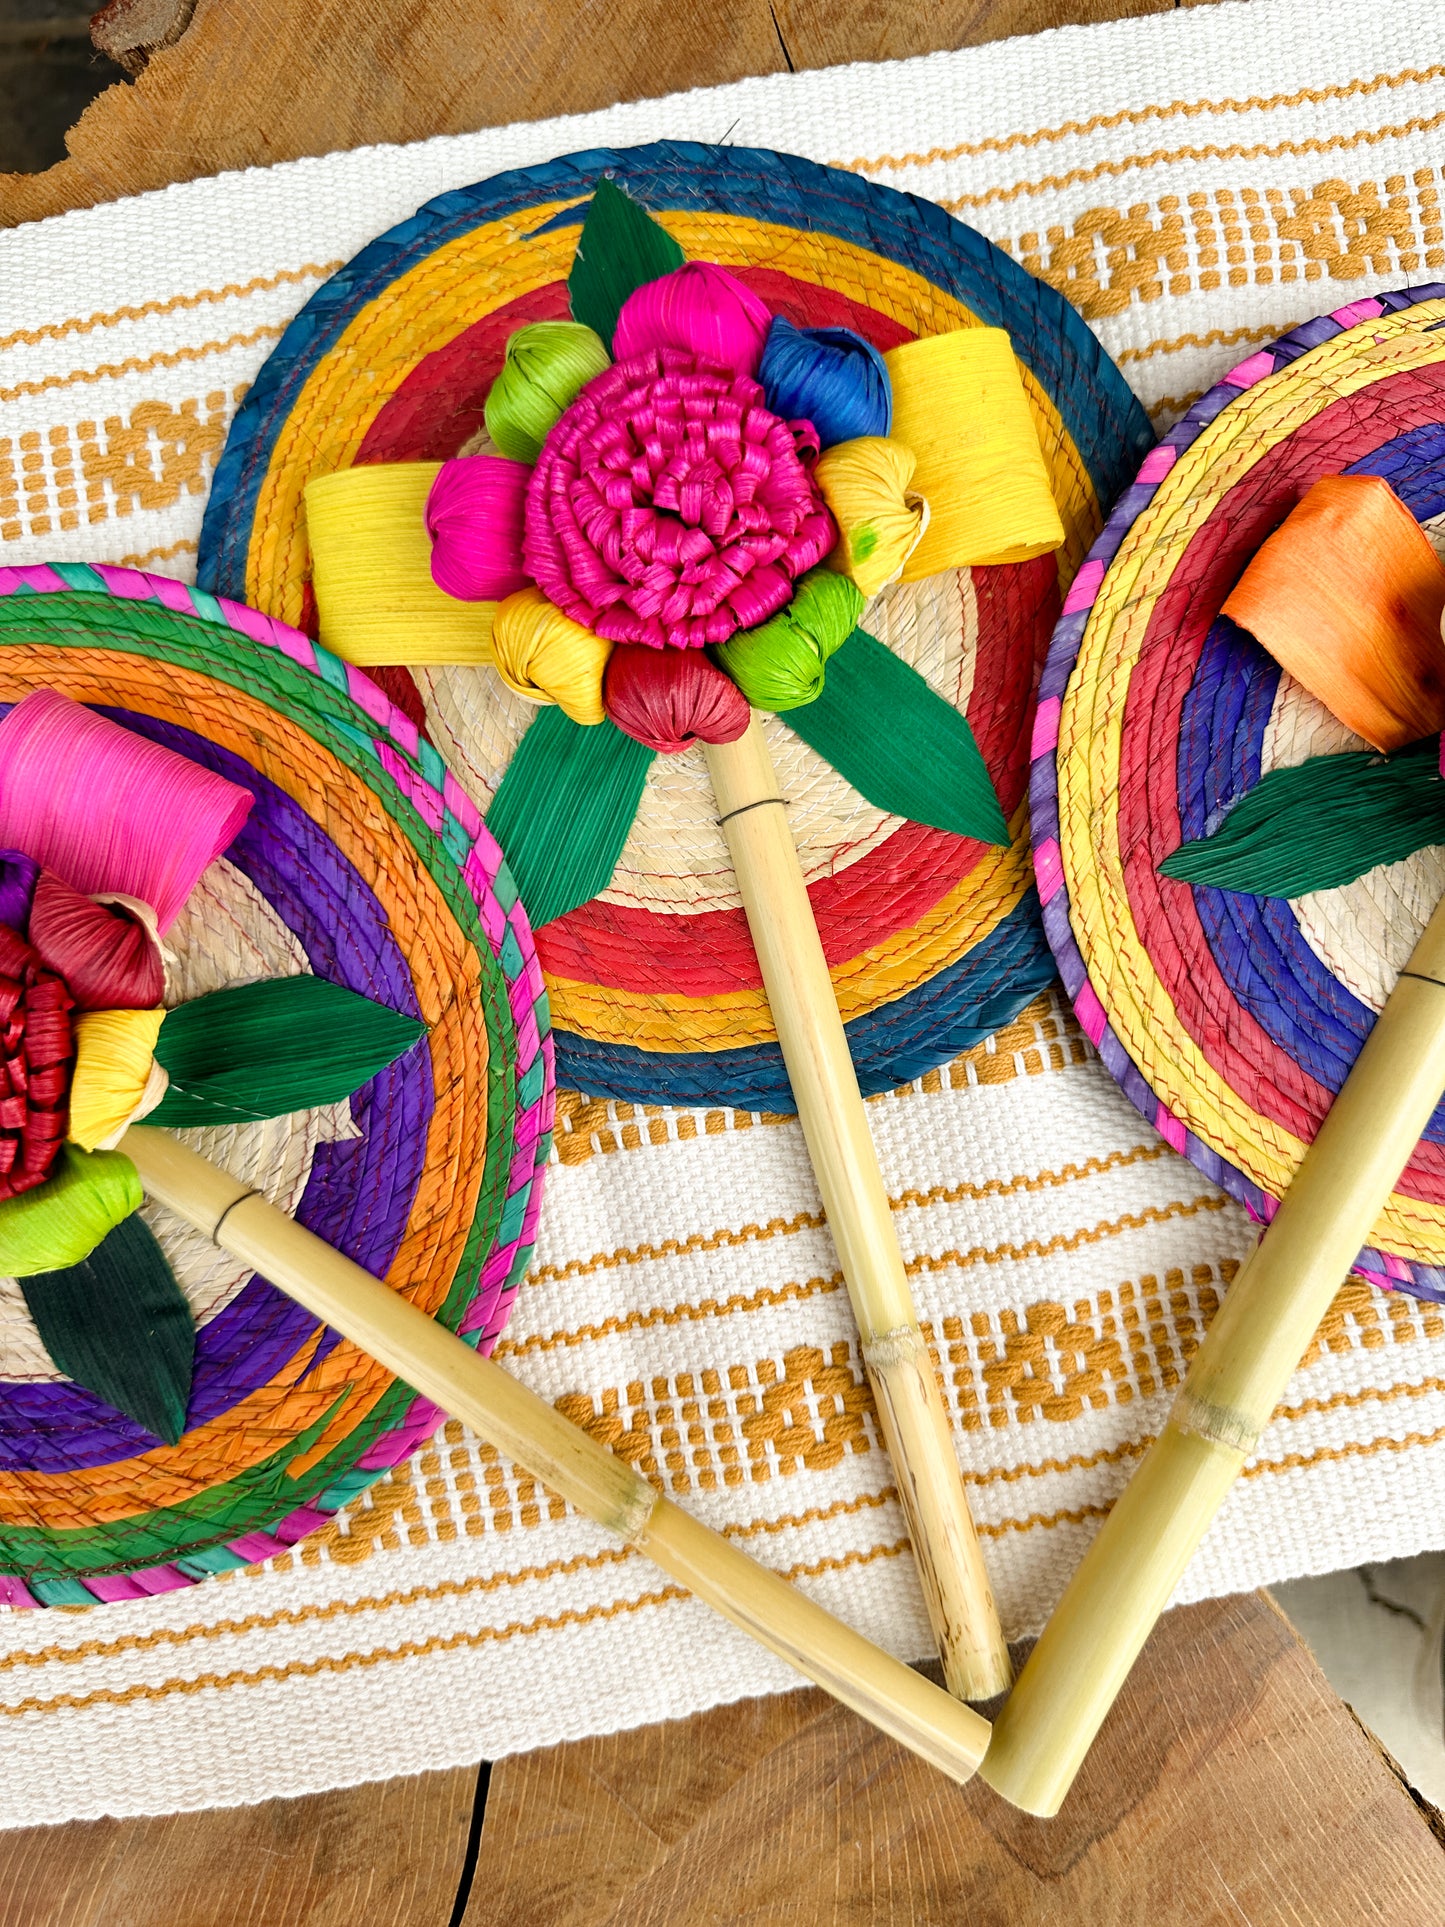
[959, 404]
[547, 657]
[116, 1077]
[880, 519]
[371, 570]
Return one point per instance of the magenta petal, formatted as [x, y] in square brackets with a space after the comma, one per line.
[474, 515]
[107, 810]
[700, 309]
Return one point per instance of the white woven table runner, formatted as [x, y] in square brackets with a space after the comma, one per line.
[1196, 182]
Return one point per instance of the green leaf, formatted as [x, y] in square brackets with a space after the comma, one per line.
[621, 248]
[564, 809]
[118, 1324]
[1320, 824]
[260, 1050]
[899, 743]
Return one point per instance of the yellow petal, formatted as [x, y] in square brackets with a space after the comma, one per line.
[114, 1061]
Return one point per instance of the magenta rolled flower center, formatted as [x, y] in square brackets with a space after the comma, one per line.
[670, 507]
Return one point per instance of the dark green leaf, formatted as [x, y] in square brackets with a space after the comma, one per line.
[260, 1050]
[1321, 824]
[899, 743]
[621, 248]
[565, 808]
[118, 1324]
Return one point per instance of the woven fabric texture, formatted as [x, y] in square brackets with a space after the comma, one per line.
[1197, 183]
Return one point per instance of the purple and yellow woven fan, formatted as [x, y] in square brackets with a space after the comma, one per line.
[361, 868]
[1231, 1014]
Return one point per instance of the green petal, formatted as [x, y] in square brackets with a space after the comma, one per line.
[62, 1221]
[621, 248]
[565, 808]
[261, 1050]
[900, 745]
[1321, 824]
[118, 1324]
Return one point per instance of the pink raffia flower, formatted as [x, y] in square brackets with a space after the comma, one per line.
[699, 308]
[670, 507]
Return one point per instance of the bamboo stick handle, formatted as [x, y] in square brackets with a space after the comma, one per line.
[440, 1365]
[1238, 1376]
[830, 1109]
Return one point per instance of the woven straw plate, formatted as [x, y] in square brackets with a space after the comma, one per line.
[934, 940]
[363, 862]
[1232, 1020]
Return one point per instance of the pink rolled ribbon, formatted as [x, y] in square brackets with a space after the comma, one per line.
[107, 810]
[702, 310]
[670, 507]
[474, 516]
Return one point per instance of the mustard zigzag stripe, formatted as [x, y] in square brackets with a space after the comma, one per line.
[416, 1595]
[643, 1318]
[140, 364]
[420, 1648]
[553, 1622]
[485, 1583]
[726, 1236]
[1208, 151]
[259, 284]
[1134, 116]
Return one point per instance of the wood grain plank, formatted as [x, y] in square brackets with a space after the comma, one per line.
[820, 33]
[388, 1855]
[251, 82]
[1231, 1785]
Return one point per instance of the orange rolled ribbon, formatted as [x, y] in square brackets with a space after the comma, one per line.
[1347, 595]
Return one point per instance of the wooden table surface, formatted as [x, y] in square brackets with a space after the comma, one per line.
[1230, 1786]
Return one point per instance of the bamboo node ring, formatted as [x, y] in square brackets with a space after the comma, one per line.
[761, 804]
[216, 1227]
[887, 1350]
[635, 1520]
[1216, 1424]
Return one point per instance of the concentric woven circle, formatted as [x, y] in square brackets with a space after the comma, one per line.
[362, 861]
[934, 939]
[1231, 1020]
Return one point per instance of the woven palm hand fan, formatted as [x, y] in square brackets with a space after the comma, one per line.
[1240, 845]
[241, 900]
[932, 936]
[238, 898]
[715, 432]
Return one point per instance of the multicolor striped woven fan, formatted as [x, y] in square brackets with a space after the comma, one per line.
[933, 938]
[1231, 1019]
[361, 862]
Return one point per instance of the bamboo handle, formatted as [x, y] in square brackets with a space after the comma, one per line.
[440, 1365]
[830, 1109]
[1238, 1376]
